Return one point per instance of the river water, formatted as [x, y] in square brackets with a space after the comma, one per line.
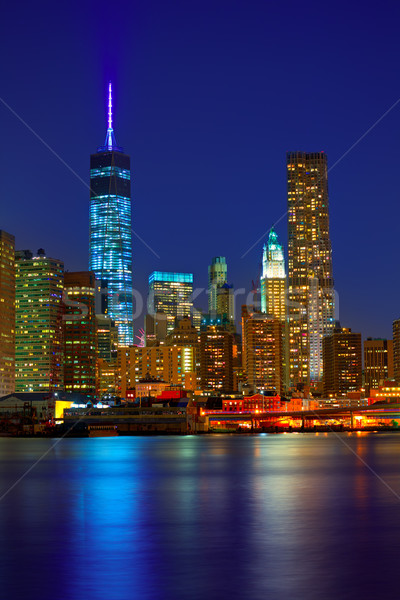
[289, 516]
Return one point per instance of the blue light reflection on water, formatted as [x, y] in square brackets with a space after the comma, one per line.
[194, 517]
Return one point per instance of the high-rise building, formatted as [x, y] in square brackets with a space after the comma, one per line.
[217, 277]
[39, 350]
[216, 359]
[274, 292]
[262, 355]
[343, 362]
[273, 279]
[107, 338]
[110, 246]
[171, 294]
[378, 362]
[310, 293]
[396, 350]
[155, 329]
[226, 304]
[79, 333]
[7, 313]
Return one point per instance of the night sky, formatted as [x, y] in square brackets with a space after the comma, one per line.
[208, 98]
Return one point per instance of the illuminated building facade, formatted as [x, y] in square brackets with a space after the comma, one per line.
[107, 338]
[171, 364]
[274, 292]
[226, 305]
[217, 277]
[273, 279]
[170, 293]
[184, 334]
[79, 333]
[378, 362]
[343, 362]
[262, 350]
[216, 359]
[155, 328]
[396, 350]
[39, 349]
[110, 245]
[7, 312]
[310, 289]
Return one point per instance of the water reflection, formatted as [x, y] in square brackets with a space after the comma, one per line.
[194, 517]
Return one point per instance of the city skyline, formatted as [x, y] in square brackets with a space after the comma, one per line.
[215, 134]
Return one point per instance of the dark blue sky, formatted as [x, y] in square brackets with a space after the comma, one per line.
[208, 98]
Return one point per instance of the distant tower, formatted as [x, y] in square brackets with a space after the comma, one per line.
[217, 277]
[110, 245]
[311, 293]
[273, 278]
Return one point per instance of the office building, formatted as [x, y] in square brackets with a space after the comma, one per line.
[7, 312]
[171, 294]
[378, 362]
[155, 329]
[174, 365]
[107, 338]
[39, 349]
[273, 279]
[310, 285]
[110, 246]
[343, 362]
[274, 292]
[79, 333]
[216, 359]
[262, 355]
[217, 277]
[396, 350]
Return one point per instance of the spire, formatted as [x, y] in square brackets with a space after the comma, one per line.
[110, 143]
[273, 237]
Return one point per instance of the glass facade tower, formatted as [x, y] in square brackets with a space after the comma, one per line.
[311, 292]
[110, 245]
[171, 294]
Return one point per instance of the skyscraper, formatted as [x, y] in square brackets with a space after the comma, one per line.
[39, 282]
[79, 333]
[170, 293]
[274, 293]
[311, 293]
[273, 278]
[217, 277]
[7, 313]
[110, 245]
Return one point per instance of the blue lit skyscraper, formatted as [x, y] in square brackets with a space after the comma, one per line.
[110, 245]
[171, 294]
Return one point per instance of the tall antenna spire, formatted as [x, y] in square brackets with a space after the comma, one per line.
[109, 106]
[110, 143]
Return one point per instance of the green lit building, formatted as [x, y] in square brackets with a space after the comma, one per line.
[171, 294]
[39, 282]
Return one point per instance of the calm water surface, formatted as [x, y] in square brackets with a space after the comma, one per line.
[269, 516]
